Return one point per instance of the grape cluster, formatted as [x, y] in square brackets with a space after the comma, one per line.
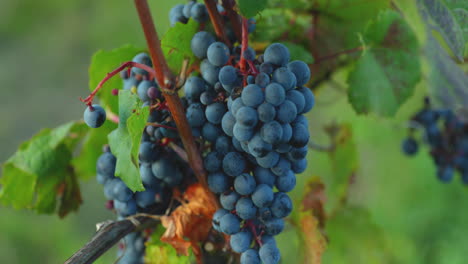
[132, 249]
[257, 135]
[446, 135]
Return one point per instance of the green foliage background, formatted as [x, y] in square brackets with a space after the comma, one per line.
[397, 212]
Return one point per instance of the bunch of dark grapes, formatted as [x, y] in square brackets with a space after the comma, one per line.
[447, 137]
[248, 111]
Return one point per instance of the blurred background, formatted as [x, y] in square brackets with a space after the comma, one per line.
[405, 215]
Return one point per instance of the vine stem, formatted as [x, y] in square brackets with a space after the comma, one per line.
[233, 17]
[245, 44]
[167, 80]
[217, 21]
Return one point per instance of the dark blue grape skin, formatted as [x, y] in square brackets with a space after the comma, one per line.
[281, 206]
[240, 242]
[274, 226]
[269, 254]
[147, 152]
[300, 136]
[102, 178]
[272, 132]
[109, 188]
[252, 95]
[264, 214]
[309, 99]
[263, 195]
[218, 182]
[297, 98]
[94, 116]
[247, 116]
[218, 54]
[209, 72]
[286, 112]
[142, 89]
[250, 79]
[410, 146]
[106, 164]
[141, 58]
[243, 133]
[211, 132]
[207, 98]
[250, 256]
[282, 167]
[200, 43]
[227, 123]
[258, 147]
[301, 70]
[277, 54]
[147, 176]
[236, 105]
[285, 77]
[299, 166]
[244, 184]
[275, 94]
[121, 191]
[229, 224]
[229, 199]
[176, 15]
[445, 174]
[267, 68]
[223, 145]
[195, 115]
[233, 164]
[245, 208]
[145, 198]
[153, 93]
[228, 75]
[130, 83]
[188, 8]
[193, 88]
[264, 176]
[215, 112]
[297, 153]
[269, 160]
[262, 80]
[237, 145]
[217, 218]
[199, 13]
[249, 54]
[164, 168]
[125, 208]
[213, 161]
[266, 112]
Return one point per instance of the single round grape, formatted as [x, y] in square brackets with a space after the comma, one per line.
[229, 224]
[122, 192]
[263, 195]
[250, 256]
[297, 98]
[218, 54]
[285, 77]
[94, 116]
[242, 133]
[252, 95]
[125, 208]
[187, 8]
[215, 112]
[195, 115]
[209, 72]
[309, 99]
[267, 68]
[147, 152]
[227, 123]
[223, 145]
[233, 164]
[200, 43]
[282, 167]
[301, 70]
[272, 132]
[410, 146]
[236, 105]
[227, 75]
[244, 184]
[241, 241]
[106, 164]
[228, 200]
[245, 208]
[145, 198]
[275, 94]
[300, 136]
[218, 182]
[247, 116]
[193, 88]
[277, 54]
[274, 226]
[142, 89]
[207, 98]
[266, 112]
[199, 13]
[299, 166]
[262, 80]
[141, 58]
[264, 176]
[269, 254]
[269, 160]
[213, 161]
[281, 205]
[147, 176]
[286, 112]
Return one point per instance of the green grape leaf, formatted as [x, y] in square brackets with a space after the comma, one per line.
[447, 81]
[104, 62]
[85, 162]
[158, 252]
[125, 140]
[298, 52]
[386, 74]
[41, 171]
[355, 238]
[176, 44]
[449, 18]
[249, 8]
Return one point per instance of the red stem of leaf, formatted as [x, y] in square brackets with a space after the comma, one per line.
[89, 100]
[251, 226]
[245, 44]
[217, 21]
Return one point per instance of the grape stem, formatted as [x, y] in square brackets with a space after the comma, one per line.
[245, 44]
[217, 21]
[234, 18]
[257, 237]
[167, 81]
